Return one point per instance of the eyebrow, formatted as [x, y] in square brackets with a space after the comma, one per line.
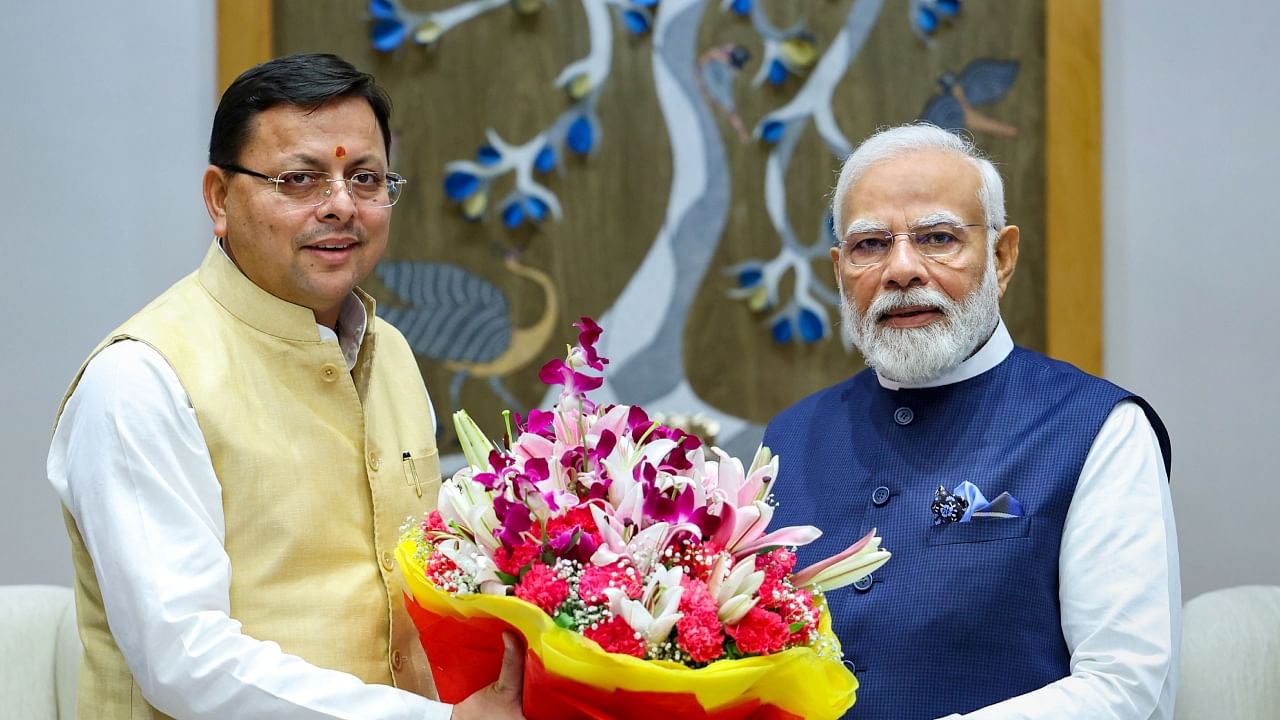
[938, 217]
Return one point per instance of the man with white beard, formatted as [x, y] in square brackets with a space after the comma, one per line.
[1035, 562]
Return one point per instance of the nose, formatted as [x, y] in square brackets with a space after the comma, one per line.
[904, 266]
[339, 204]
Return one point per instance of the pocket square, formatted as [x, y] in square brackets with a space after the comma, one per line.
[967, 502]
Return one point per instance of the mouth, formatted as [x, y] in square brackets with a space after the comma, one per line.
[910, 317]
[333, 249]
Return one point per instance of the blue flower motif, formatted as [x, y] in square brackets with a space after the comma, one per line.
[388, 34]
[488, 155]
[581, 136]
[926, 20]
[382, 10]
[950, 8]
[545, 162]
[811, 327]
[741, 7]
[750, 278]
[772, 131]
[637, 22]
[459, 186]
[777, 72]
[512, 215]
[782, 331]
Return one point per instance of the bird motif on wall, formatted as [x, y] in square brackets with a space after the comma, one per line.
[456, 317]
[718, 67]
[982, 82]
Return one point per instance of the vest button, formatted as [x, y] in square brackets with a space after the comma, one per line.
[397, 660]
[903, 416]
[329, 372]
[863, 584]
[880, 496]
[388, 561]
[375, 462]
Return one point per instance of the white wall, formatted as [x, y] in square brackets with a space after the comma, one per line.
[105, 122]
[1192, 173]
[104, 127]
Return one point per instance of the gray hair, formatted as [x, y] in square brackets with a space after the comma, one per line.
[890, 143]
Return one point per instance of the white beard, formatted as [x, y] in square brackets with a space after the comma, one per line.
[913, 356]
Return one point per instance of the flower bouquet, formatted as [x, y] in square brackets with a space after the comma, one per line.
[633, 561]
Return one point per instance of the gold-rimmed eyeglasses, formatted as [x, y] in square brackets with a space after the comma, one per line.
[936, 242]
[308, 188]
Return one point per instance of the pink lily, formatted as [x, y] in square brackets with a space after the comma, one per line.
[856, 562]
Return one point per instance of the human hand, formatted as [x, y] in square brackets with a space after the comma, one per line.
[500, 700]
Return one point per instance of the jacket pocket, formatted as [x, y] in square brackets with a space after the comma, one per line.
[976, 531]
[422, 472]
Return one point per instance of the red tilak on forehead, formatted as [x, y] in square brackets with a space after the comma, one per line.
[340, 152]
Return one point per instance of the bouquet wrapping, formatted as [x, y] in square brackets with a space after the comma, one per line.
[634, 563]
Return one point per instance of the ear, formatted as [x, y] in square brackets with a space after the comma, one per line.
[215, 198]
[835, 262]
[1007, 255]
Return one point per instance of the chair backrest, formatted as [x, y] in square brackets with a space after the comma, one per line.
[39, 652]
[1230, 667]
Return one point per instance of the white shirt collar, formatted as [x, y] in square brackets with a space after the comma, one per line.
[993, 352]
[352, 321]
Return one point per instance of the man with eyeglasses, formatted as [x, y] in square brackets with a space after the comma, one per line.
[237, 459]
[1035, 562]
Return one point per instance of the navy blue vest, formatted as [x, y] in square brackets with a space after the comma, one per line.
[966, 614]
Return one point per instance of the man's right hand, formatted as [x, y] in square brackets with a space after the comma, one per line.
[501, 700]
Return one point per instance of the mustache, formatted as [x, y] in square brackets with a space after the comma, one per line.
[892, 300]
[313, 236]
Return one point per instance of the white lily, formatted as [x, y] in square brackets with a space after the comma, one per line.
[657, 610]
[465, 504]
[735, 590]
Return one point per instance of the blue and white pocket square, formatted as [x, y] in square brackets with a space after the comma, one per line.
[966, 502]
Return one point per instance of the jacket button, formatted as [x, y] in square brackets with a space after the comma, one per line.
[388, 561]
[903, 416]
[397, 660]
[329, 372]
[880, 496]
[863, 584]
[375, 462]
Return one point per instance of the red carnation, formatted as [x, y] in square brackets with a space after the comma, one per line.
[442, 572]
[616, 636]
[542, 587]
[595, 579]
[761, 632]
[699, 632]
[512, 561]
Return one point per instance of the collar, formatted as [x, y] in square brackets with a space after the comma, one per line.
[993, 352]
[268, 313]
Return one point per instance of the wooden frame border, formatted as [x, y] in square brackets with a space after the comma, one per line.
[1073, 182]
[1073, 159]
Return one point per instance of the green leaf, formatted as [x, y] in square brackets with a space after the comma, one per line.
[564, 620]
[795, 627]
[506, 578]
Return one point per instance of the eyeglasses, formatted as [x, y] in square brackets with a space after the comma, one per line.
[308, 188]
[936, 242]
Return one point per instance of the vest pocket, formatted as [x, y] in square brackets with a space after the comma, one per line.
[976, 531]
[422, 472]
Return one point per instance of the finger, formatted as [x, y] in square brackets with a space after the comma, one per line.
[511, 675]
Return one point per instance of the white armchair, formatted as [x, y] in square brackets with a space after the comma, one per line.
[1230, 668]
[39, 652]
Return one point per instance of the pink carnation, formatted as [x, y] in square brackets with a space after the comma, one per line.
[595, 580]
[434, 523]
[761, 632]
[699, 632]
[542, 587]
[616, 636]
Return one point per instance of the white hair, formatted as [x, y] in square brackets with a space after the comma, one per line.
[891, 143]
